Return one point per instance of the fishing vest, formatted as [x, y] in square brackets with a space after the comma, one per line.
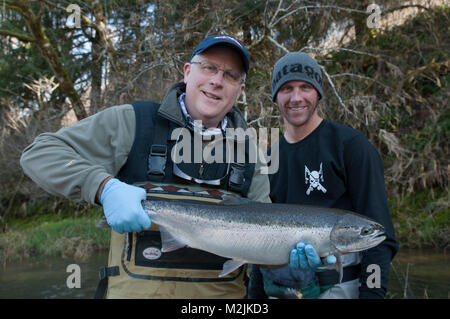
[136, 266]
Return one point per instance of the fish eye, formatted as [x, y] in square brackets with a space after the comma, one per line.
[366, 231]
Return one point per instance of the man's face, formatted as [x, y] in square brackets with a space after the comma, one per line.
[297, 102]
[210, 97]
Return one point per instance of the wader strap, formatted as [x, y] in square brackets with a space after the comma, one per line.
[241, 174]
[236, 181]
[331, 277]
[105, 272]
[158, 150]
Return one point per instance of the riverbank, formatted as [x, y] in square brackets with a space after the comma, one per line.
[53, 235]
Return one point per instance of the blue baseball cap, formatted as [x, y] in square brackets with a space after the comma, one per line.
[228, 40]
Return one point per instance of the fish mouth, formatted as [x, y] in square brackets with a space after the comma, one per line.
[376, 239]
[364, 244]
[379, 238]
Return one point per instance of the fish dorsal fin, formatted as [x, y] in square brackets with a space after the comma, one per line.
[231, 265]
[169, 243]
[233, 200]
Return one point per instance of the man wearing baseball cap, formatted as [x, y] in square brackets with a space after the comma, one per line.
[98, 160]
[330, 165]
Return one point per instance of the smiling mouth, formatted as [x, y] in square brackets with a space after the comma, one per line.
[297, 108]
[211, 96]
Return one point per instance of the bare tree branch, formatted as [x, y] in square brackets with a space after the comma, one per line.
[131, 83]
[339, 49]
[336, 93]
[273, 23]
[361, 77]
[390, 10]
[277, 44]
[20, 36]
[100, 27]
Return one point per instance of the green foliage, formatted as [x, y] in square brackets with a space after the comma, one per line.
[423, 218]
[52, 235]
[431, 133]
[20, 64]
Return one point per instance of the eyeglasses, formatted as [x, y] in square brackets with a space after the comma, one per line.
[211, 69]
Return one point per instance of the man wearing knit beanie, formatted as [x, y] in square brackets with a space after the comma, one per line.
[297, 88]
[326, 164]
[296, 66]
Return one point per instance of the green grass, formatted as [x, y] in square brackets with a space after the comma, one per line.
[422, 219]
[53, 235]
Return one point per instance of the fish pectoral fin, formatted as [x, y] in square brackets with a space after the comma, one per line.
[169, 243]
[339, 267]
[230, 266]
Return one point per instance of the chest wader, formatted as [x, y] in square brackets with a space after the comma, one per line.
[136, 266]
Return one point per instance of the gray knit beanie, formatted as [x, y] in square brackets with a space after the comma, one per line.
[296, 66]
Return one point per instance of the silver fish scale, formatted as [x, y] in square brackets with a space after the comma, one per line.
[243, 232]
[258, 213]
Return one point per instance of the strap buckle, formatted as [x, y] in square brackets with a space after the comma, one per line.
[157, 159]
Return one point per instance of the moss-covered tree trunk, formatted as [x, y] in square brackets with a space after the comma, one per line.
[33, 22]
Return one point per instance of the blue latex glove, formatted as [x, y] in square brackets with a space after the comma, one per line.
[122, 207]
[305, 257]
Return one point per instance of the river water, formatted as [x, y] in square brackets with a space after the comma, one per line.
[427, 274]
[39, 278]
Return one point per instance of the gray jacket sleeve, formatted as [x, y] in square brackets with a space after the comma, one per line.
[75, 160]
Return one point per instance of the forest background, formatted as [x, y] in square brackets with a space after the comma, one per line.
[386, 73]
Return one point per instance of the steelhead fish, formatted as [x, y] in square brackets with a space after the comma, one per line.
[259, 233]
